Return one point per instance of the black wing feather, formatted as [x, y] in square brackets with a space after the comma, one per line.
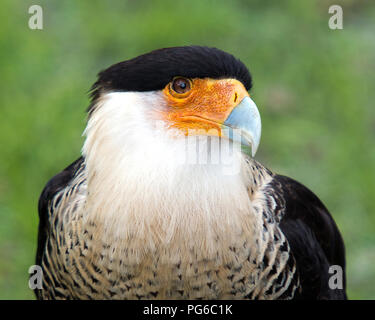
[313, 236]
[57, 183]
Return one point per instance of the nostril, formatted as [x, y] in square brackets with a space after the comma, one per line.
[235, 96]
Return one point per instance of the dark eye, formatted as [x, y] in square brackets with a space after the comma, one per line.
[181, 85]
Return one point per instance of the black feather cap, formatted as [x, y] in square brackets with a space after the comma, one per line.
[154, 70]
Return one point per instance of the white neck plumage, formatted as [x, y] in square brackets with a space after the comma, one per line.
[142, 193]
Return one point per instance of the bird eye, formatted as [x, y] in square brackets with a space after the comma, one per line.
[181, 85]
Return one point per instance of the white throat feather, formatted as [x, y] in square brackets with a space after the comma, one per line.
[141, 194]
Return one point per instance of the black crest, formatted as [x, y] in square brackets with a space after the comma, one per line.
[154, 70]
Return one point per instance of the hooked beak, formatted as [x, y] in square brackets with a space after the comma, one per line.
[246, 118]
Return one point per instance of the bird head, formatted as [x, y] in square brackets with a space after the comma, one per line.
[191, 90]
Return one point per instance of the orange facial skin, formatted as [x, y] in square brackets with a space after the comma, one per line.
[205, 106]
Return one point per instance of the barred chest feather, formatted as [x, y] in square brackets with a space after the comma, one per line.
[236, 255]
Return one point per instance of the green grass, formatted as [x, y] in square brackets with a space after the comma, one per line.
[314, 88]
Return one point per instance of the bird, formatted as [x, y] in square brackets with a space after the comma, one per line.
[167, 201]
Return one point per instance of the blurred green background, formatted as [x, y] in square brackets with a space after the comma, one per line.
[314, 88]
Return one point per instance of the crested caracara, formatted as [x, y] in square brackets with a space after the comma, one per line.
[167, 202]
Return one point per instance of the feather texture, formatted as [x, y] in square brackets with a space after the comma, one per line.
[129, 221]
